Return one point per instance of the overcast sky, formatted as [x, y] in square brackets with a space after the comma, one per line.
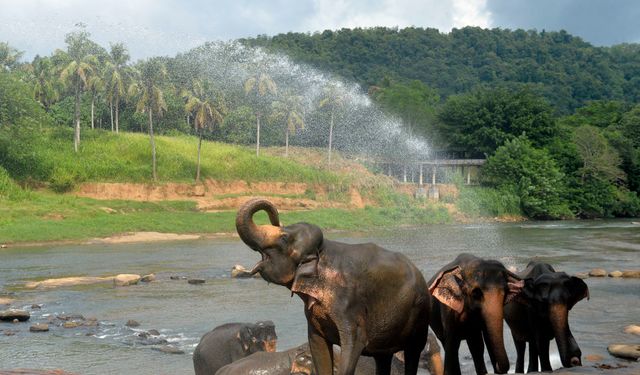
[166, 27]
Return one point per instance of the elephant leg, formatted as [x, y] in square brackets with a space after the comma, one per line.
[451, 361]
[533, 357]
[351, 346]
[412, 358]
[543, 353]
[521, 346]
[383, 364]
[321, 352]
[476, 347]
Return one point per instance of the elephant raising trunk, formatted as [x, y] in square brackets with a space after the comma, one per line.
[257, 237]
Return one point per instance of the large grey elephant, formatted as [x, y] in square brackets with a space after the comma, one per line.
[467, 303]
[541, 314]
[230, 342]
[368, 300]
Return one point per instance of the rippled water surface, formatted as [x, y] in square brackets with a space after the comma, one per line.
[183, 312]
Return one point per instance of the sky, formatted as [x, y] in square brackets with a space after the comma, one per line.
[167, 27]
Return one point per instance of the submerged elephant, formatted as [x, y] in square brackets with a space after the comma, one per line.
[541, 313]
[293, 361]
[467, 299]
[231, 342]
[368, 300]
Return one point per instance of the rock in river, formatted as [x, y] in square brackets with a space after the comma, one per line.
[126, 279]
[635, 274]
[196, 281]
[633, 329]
[169, 349]
[598, 272]
[615, 274]
[628, 351]
[148, 278]
[39, 327]
[11, 314]
[132, 323]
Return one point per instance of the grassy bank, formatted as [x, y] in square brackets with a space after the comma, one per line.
[53, 217]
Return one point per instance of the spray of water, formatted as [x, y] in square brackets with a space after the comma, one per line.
[361, 128]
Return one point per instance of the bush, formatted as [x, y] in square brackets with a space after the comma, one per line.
[8, 188]
[482, 201]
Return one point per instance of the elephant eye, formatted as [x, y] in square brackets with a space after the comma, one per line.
[476, 293]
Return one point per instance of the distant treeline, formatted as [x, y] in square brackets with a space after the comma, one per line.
[567, 70]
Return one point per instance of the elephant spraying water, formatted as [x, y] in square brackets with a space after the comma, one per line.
[368, 300]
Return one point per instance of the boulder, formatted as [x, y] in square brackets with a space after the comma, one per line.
[70, 324]
[598, 272]
[238, 271]
[633, 329]
[153, 332]
[169, 349]
[39, 327]
[68, 281]
[615, 274]
[148, 278]
[11, 314]
[196, 281]
[6, 301]
[66, 317]
[132, 323]
[176, 277]
[633, 274]
[126, 279]
[36, 306]
[582, 275]
[628, 351]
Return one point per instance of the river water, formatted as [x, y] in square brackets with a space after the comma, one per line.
[183, 312]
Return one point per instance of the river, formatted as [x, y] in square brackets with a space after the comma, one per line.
[183, 312]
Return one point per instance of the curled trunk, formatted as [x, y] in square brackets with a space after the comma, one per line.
[257, 237]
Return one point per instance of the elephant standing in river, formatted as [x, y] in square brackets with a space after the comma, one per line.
[467, 299]
[541, 313]
[368, 300]
[230, 342]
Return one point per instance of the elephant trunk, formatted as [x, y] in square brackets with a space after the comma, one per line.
[567, 346]
[257, 237]
[492, 314]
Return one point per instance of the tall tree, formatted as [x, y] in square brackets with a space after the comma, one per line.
[116, 76]
[260, 85]
[45, 86]
[80, 65]
[290, 110]
[599, 159]
[9, 56]
[207, 108]
[95, 85]
[333, 100]
[150, 98]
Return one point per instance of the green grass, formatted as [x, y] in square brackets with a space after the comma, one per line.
[481, 201]
[53, 217]
[48, 156]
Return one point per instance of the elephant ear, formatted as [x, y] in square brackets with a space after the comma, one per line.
[528, 292]
[307, 281]
[578, 290]
[446, 288]
[244, 338]
[514, 286]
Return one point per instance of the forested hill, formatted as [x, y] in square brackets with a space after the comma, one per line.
[568, 70]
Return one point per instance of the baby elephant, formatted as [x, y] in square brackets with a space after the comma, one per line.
[230, 342]
[293, 361]
[541, 313]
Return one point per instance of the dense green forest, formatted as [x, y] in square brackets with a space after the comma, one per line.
[557, 118]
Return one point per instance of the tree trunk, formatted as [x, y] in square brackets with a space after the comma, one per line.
[198, 162]
[153, 146]
[258, 135]
[111, 108]
[330, 135]
[286, 143]
[93, 104]
[188, 122]
[76, 137]
[117, 114]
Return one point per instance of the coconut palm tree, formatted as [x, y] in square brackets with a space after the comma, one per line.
[333, 99]
[207, 109]
[78, 68]
[95, 85]
[9, 56]
[260, 84]
[290, 110]
[45, 86]
[150, 98]
[116, 77]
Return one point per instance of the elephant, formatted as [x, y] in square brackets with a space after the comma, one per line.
[467, 298]
[541, 313]
[368, 300]
[230, 342]
[293, 361]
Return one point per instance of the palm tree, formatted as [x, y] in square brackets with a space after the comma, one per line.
[76, 72]
[45, 88]
[150, 98]
[289, 109]
[116, 75]
[207, 110]
[9, 56]
[95, 85]
[261, 84]
[333, 99]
